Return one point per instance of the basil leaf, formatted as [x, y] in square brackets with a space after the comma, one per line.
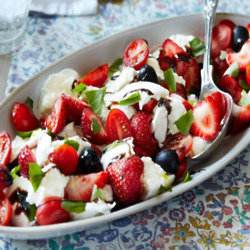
[197, 47]
[32, 212]
[29, 103]
[95, 126]
[73, 206]
[132, 99]
[245, 99]
[72, 143]
[187, 178]
[244, 85]
[97, 193]
[184, 122]
[79, 88]
[95, 99]
[170, 80]
[14, 171]
[111, 146]
[115, 67]
[163, 189]
[25, 134]
[232, 70]
[223, 55]
[36, 175]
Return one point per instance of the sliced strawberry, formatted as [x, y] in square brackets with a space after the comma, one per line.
[248, 74]
[231, 86]
[166, 63]
[96, 77]
[5, 179]
[143, 138]
[148, 107]
[242, 57]
[125, 178]
[57, 120]
[221, 102]
[25, 157]
[221, 39]
[74, 108]
[170, 49]
[101, 136]
[5, 149]
[180, 143]
[80, 187]
[206, 119]
[220, 66]
[240, 118]
[181, 90]
[187, 105]
[118, 125]
[182, 170]
[248, 28]
[182, 66]
[229, 23]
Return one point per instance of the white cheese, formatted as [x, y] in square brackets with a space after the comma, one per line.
[20, 219]
[182, 40]
[68, 131]
[17, 144]
[193, 100]
[199, 145]
[108, 193]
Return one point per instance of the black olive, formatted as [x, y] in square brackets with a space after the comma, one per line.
[239, 37]
[148, 74]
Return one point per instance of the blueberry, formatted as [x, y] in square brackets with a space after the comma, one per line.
[147, 74]
[168, 160]
[89, 161]
[239, 37]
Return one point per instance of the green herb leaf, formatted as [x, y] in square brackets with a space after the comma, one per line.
[170, 80]
[36, 175]
[32, 212]
[25, 134]
[79, 88]
[244, 85]
[245, 99]
[132, 99]
[111, 146]
[233, 70]
[14, 171]
[97, 193]
[74, 206]
[163, 189]
[197, 47]
[184, 122]
[95, 99]
[115, 67]
[95, 126]
[187, 178]
[72, 143]
[223, 55]
[29, 103]
[216, 79]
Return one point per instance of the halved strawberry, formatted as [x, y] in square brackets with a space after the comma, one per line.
[148, 107]
[248, 74]
[206, 119]
[57, 120]
[229, 23]
[74, 108]
[182, 65]
[143, 138]
[242, 57]
[5, 149]
[96, 77]
[5, 179]
[221, 102]
[231, 86]
[118, 125]
[101, 136]
[181, 90]
[166, 63]
[180, 143]
[125, 178]
[25, 157]
[170, 49]
[80, 187]
[248, 28]
[220, 66]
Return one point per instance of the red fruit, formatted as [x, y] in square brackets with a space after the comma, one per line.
[231, 86]
[24, 120]
[118, 125]
[51, 211]
[170, 49]
[143, 138]
[5, 149]
[240, 118]
[80, 187]
[57, 120]
[5, 210]
[180, 143]
[148, 107]
[136, 54]
[66, 158]
[248, 28]
[206, 119]
[125, 178]
[229, 23]
[242, 57]
[97, 77]
[248, 74]
[101, 136]
[181, 67]
[25, 157]
[74, 108]
[182, 170]
[166, 62]
[187, 105]
[220, 66]
[221, 39]
[181, 90]
[221, 102]
[5, 179]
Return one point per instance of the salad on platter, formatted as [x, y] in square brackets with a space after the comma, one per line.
[122, 133]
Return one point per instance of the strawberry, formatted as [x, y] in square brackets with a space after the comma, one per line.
[25, 157]
[231, 86]
[125, 178]
[57, 120]
[248, 28]
[221, 102]
[206, 119]
[101, 136]
[80, 187]
[242, 57]
[5, 179]
[74, 108]
[148, 107]
[220, 66]
[182, 65]
[229, 23]
[182, 171]
[5, 149]
[170, 49]
[143, 138]
[248, 74]
[181, 90]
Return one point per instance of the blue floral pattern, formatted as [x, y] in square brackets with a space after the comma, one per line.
[212, 215]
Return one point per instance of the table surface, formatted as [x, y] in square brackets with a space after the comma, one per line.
[212, 215]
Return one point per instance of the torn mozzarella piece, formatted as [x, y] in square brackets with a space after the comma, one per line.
[193, 100]
[17, 144]
[108, 193]
[199, 145]
[19, 219]
[182, 40]
[68, 131]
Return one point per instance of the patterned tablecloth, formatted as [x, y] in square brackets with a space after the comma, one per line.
[212, 215]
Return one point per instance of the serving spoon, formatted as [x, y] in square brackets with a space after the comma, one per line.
[207, 84]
